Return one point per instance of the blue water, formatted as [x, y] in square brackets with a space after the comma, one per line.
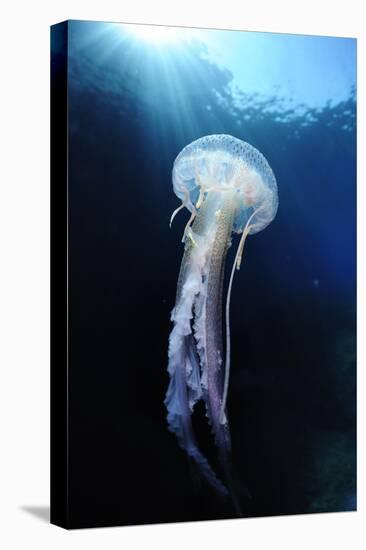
[134, 102]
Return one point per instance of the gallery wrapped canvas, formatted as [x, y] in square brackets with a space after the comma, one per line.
[203, 274]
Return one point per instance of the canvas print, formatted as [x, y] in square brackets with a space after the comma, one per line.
[203, 339]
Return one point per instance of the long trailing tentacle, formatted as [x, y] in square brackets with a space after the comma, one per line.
[236, 264]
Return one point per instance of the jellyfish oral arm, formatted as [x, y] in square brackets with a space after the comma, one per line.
[197, 330]
[187, 348]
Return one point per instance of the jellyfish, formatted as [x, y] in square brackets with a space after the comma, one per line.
[228, 187]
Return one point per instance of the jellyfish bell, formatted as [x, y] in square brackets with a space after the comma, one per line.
[226, 165]
[228, 187]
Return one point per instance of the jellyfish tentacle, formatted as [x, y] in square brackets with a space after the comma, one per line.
[185, 201]
[190, 235]
[248, 227]
[241, 246]
[188, 225]
[175, 213]
[236, 264]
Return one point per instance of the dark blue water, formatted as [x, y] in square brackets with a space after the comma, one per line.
[292, 390]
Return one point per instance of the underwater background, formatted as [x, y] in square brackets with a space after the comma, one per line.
[137, 95]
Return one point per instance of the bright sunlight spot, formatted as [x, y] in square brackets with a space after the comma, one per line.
[158, 34]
